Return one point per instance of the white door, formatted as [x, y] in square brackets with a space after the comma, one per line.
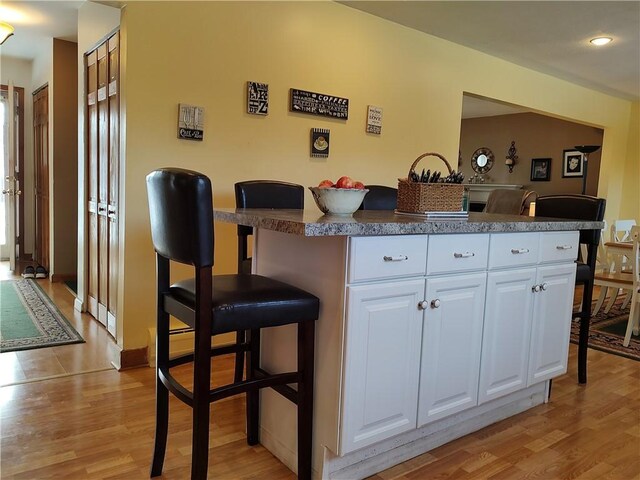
[10, 188]
[507, 332]
[452, 337]
[382, 358]
[551, 324]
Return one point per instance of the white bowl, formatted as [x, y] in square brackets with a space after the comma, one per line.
[338, 201]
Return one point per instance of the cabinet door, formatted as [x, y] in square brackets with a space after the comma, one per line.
[507, 332]
[452, 337]
[382, 360]
[551, 323]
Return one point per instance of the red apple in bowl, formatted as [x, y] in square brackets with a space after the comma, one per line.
[344, 182]
[325, 184]
[358, 185]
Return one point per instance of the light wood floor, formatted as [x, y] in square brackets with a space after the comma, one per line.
[100, 425]
[31, 365]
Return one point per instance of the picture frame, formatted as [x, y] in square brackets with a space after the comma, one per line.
[540, 169]
[572, 164]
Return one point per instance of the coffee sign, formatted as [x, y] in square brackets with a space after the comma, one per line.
[321, 104]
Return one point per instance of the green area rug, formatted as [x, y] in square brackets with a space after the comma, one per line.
[28, 318]
[607, 330]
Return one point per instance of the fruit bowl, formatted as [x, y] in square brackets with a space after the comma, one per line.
[338, 201]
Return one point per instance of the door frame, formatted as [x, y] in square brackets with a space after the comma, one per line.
[20, 163]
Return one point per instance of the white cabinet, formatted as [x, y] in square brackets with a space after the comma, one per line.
[551, 321]
[507, 332]
[451, 343]
[382, 361]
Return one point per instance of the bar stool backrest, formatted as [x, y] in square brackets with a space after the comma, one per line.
[380, 197]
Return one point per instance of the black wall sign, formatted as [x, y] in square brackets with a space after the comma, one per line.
[257, 98]
[319, 104]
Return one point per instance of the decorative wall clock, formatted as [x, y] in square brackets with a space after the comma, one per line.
[482, 160]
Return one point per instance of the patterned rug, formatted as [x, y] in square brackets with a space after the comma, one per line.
[607, 331]
[28, 318]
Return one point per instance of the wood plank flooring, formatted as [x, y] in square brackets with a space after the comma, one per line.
[100, 426]
[31, 365]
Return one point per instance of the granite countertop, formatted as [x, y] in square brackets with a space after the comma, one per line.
[311, 223]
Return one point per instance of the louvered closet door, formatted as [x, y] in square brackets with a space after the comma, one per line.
[113, 188]
[103, 130]
[92, 169]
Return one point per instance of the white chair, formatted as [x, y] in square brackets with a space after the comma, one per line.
[634, 314]
[621, 230]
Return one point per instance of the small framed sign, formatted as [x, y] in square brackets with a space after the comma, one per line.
[320, 142]
[257, 98]
[190, 122]
[319, 104]
[572, 163]
[374, 120]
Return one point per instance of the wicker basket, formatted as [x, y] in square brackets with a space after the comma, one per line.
[417, 197]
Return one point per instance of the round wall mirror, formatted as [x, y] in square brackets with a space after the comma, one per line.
[482, 160]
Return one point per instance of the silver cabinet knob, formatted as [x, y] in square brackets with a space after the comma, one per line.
[543, 286]
[435, 303]
[535, 288]
[423, 305]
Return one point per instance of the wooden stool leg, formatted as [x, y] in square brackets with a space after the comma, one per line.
[306, 344]
[162, 425]
[583, 339]
[240, 338]
[253, 396]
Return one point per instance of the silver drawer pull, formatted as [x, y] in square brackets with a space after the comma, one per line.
[395, 258]
[564, 247]
[464, 255]
[516, 251]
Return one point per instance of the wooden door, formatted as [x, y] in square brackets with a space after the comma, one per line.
[41, 174]
[102, 141]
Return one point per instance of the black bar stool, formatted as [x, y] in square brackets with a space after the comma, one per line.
[380, 197]
[180, 207]
[260, 194]
[579, 207]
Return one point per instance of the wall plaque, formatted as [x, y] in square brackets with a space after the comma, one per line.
[320, 142]
[190, 122]
[319, 104]
[257, 98]
[374, 120]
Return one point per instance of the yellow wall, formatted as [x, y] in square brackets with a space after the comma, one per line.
[630, 202]
[203, 53]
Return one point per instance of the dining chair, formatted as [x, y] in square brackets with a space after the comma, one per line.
[380, 197]
[621, 230]
[510, 202]
[633, 324]
[260, 194]
[580, 207]
[182, 230]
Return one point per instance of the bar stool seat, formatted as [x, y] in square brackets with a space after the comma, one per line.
[246, 302]
[181, 214]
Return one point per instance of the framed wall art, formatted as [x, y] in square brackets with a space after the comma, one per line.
[320, 142]
[540, 169]
[302, 101]
[257, 98]
[572, 163]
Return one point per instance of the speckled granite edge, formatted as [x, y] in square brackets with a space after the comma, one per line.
[298, 222]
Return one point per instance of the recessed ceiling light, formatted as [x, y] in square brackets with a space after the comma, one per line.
[599, 41]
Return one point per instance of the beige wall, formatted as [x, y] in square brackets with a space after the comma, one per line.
[536, 136]
[204, 53]
[630, 206]
[64, 161]
[19, 71]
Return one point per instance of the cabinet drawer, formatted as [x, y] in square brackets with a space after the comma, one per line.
[513, 249]
[457, 253]
[558, 246]
[373, 258]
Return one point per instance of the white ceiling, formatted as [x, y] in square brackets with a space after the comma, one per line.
[548, 36]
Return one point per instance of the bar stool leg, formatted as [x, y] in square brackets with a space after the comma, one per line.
[306, 345]
[253, 396]
[583, 339]
[162, 398]
[240, 339]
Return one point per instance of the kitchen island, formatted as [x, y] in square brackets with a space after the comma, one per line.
[428, 329]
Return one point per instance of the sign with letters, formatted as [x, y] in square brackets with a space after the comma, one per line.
[257, 98]
[374, 120]
[319, 104]
[190, 122]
